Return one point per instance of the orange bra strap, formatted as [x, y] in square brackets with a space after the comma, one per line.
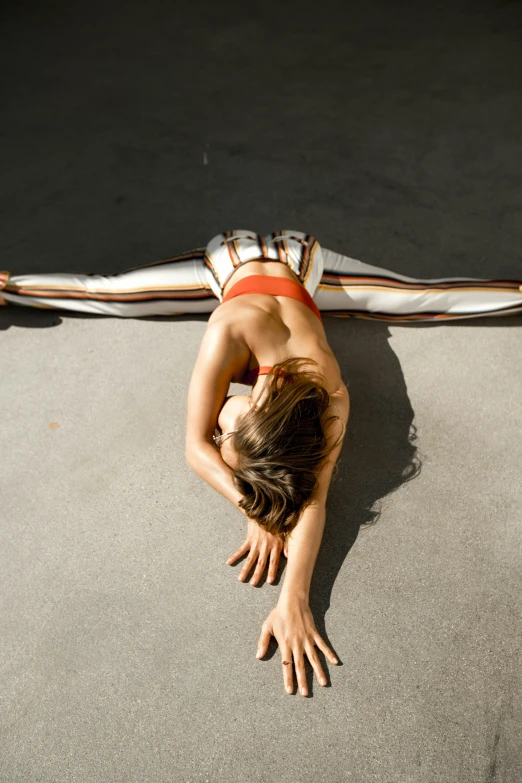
[251, 375]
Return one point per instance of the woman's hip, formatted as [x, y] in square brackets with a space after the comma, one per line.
[227, 251]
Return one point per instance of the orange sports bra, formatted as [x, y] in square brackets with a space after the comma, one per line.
[278, 286]
[250, 377]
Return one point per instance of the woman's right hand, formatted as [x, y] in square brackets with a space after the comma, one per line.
[263, 547]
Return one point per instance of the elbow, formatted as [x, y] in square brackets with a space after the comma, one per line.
[195, 458]
[192, 449]
[191, 459]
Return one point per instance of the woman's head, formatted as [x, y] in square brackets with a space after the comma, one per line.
[233, 407]
[277, 444]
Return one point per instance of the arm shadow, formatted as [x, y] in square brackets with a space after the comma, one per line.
[378, 455]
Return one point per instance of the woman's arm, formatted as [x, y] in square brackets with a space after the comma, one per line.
[305, 539]
[291, 622]
[302, 550]
[264, 549]
[217, 361]
[207, 462]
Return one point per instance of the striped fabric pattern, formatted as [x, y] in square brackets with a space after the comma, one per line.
[352, 288]
[301, 252]
[193, 282]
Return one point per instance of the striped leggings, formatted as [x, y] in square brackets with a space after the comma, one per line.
[184, 284]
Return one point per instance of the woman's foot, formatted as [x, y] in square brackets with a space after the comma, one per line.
[4, 277]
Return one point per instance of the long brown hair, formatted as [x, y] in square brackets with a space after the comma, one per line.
[280, 444]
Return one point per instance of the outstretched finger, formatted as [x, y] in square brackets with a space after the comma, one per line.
[300, 671]
[260, 568]
[324, 648]
[264, 641]
[274, 565]
[315, 662]
[241, 551]
[288, 667]
[248, 564]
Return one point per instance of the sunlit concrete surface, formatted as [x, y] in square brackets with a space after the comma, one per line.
[128, 645]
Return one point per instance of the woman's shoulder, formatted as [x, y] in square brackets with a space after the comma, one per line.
[229, 333]
[328, 366]
[237, 316]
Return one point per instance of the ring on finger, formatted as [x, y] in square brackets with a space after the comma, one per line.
[286, 662]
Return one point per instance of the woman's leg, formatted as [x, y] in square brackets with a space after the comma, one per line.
[172, 287]
[348, 288]
[351, 288]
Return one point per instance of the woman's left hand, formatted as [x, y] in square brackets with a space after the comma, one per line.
[292, 624]
[262, 547]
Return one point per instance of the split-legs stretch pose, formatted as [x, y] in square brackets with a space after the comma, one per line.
[271, 453]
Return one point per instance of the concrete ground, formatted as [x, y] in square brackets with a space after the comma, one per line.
[128, 645]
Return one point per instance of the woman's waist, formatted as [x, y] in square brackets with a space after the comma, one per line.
[276, 269]
[274, 286]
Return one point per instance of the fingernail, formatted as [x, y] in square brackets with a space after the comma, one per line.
[303, 691]
[289, 689]
[335, 660]
[269, 580]
[323, 682]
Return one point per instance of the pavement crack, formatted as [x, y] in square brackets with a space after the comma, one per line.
[491, 774]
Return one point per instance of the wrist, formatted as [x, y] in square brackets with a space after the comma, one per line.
[292, 595]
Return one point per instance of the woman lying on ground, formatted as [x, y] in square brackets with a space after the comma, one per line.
[271, 453]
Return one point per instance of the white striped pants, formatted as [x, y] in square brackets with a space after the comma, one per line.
[186, 284]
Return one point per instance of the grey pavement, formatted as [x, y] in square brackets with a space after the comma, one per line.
[127, 644]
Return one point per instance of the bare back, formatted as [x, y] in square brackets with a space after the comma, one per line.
[265, 329]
